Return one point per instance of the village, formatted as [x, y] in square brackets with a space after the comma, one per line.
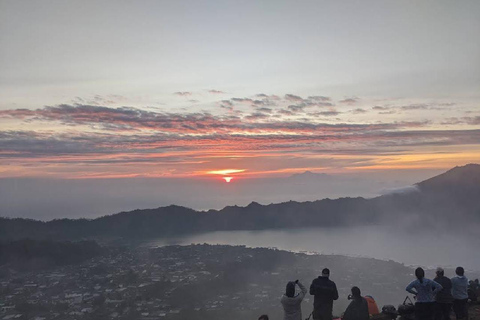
[179, 282]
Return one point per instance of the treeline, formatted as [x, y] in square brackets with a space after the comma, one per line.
[176, 220]
[27, 253]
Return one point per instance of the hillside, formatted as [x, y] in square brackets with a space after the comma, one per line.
[445, 200]
[192, 282]
[34, 255]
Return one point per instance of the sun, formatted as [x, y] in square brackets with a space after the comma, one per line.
[227, 179]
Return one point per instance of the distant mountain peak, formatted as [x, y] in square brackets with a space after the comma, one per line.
[458, 177]
[254, 204]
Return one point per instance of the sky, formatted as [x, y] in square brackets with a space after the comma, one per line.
[202, 90]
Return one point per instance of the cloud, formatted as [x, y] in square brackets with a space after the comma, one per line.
[380, 108]
[183, 93]
[257, 116]
[329, 113]
[401, 190]
[241, 100]
[319, 98]
[265, 110]
[296, 108]
[133, 119]
[213, 91]
[358, 111]
[349, 101]
[292, 97]
[422, 106]
[90, 134]
[472, 120]
[463, 120]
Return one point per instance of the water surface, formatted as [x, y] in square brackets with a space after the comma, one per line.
[429, 249]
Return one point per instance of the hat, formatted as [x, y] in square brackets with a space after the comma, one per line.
[440, 271]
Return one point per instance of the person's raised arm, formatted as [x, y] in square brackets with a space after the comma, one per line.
[303, 290]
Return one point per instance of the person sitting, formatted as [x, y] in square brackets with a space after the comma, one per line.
[358, 308]
[291, 303]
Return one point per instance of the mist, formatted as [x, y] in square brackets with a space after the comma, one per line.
[46, 199]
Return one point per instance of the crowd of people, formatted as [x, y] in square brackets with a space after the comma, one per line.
[434, 299]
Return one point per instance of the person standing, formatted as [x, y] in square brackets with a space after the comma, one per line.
[443, 299]
[325, 292]
[291, 303]
[358, 308]
[460, 294]
[425, 290]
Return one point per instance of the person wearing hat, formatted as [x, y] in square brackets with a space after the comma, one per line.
[291, 303]
[443, 299]
[325, 292]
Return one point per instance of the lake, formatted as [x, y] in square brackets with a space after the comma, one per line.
[386, 243]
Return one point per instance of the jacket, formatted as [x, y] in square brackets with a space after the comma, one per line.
[357, 310]
[324, 291]
[425, 290]
[292, 305]
[444, 295]
[459, 287]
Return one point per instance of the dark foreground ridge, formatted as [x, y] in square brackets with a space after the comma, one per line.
[191, 282]
[442, 201]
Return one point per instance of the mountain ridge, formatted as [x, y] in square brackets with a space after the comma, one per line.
[437, 199]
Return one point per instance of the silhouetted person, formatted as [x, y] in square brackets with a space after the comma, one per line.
[291, 303]
[460, 294]
[358, 308]
[425, 291]
[324, 291]
[263, 317]
[443, 299]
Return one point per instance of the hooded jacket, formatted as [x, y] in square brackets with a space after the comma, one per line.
[292, 305]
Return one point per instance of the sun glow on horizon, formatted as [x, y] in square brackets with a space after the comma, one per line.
[226, 171]
[227, 179]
